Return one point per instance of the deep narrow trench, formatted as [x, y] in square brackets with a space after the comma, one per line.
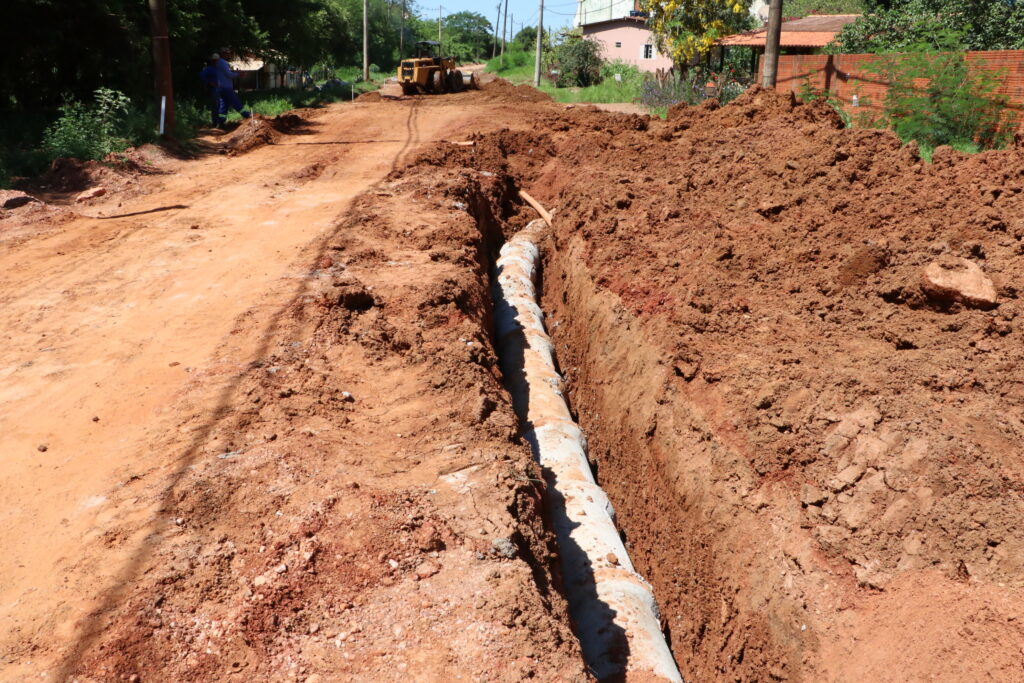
[614, 612]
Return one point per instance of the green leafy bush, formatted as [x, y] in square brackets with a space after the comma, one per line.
[937, 98]
[89, 131]
[578, 63]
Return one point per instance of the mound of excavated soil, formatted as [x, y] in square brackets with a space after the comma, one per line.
[71, 176]
[258, 131]
[795, 349]
[252, 134]
[501, 89]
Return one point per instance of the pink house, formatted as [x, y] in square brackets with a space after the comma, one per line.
[621, 29]
[629, 40]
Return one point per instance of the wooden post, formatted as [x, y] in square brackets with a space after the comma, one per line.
[497, 25]
[162, 63]
[504, 30]
[540, 32]
[401, 35]
[771, 47]
[366, 40]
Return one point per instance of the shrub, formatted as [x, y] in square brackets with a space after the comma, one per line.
[578, 62]
[628, 75]
[937, 98]
[692, 88]
[88, 131]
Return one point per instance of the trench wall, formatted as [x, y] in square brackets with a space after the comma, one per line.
[845, 76]
[680, 486]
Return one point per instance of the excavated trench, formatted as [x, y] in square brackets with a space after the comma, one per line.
[674, 483]
[668, 475]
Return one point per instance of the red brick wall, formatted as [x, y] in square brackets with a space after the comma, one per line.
[844, 76]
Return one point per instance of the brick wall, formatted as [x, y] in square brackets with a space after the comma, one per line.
[844, 76]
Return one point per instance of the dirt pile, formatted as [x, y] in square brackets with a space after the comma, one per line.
[67, 177]
[500, 89]
[257, 131]
[740, 293]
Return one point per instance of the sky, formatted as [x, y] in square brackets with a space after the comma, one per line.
[557, 13]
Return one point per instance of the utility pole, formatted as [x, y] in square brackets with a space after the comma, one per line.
[439, 10]
[401, 35]
[366, 40]
[162, 66]
[540, 32]
[504, 32]
[771, 47]
[497, 25]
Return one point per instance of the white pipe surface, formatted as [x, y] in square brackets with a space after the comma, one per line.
[613, 609]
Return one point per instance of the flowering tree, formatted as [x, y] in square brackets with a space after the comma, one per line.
[685, 29]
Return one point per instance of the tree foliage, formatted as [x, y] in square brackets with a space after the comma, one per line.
[467, 35]
[686, 29]
[578, 62]
[902, 24]
[936, 97]
[526, 39]
[72, 49]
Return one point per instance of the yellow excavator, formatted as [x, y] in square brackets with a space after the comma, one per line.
[429, 73]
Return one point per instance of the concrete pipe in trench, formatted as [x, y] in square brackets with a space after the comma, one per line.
[613, 608]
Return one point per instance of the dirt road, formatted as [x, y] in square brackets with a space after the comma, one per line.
[127, 334]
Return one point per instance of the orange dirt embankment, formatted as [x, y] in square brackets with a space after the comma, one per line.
[811, 439]
[816, 460]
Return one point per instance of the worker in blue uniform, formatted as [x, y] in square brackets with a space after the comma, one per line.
[219, 78]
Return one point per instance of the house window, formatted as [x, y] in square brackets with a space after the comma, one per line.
[618, 44]
[648, 51]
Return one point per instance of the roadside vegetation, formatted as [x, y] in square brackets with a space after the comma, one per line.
[573, 71]
[93, 96]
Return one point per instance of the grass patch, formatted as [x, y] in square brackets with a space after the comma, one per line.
[606, 92]
[516, 66]
[926, 151]
[25, 153]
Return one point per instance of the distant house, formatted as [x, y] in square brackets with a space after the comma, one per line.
[621, 29]
[806, 36]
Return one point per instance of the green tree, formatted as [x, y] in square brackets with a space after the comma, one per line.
[577, 61]
[468, 35]
[902, 24]
[526, 39]
[936, 97]
[685, 29]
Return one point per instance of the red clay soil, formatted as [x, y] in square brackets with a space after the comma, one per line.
[815, 458]
[297, 575]
[812, 448]
[260, 428]
[816, 463]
